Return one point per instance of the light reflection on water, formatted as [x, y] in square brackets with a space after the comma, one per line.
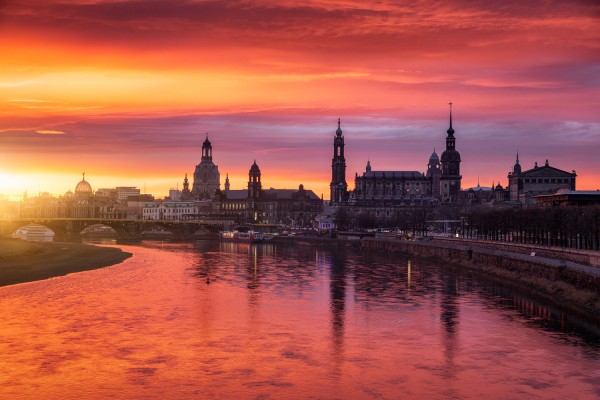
[287, 322]
[110, 240]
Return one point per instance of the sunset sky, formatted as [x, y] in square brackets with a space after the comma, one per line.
[126, 90]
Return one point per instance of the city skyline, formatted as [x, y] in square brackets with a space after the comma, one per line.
[126, 90]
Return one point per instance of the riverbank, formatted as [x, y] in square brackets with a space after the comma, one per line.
[22, 261]
[571, 284]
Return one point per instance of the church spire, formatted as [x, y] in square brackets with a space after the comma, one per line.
[450, 139]
[450, 130]
[185, 192]
[517, 166]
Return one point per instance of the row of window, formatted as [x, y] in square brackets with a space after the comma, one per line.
[270, 206]
[234, 206]
[409, 183]
[387, 192]
[168, 210]
[547, 180]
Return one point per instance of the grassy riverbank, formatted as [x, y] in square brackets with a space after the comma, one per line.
[22, 261]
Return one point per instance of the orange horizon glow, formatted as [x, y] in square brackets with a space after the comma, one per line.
[126, 90]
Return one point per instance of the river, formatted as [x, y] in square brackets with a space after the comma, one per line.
[214, 320]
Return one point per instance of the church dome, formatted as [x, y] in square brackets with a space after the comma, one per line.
[434, 159]
[450, 155]
[517, 166]
[83, 187]
[339, 129]
[254, 169]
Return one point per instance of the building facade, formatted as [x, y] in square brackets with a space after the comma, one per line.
[256, 205]
[207, 179]
[391, 188]
[383, 189]
[524, 185]
[170, 210]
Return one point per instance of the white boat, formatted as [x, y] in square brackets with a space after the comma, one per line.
[242, 234]
[34, 232]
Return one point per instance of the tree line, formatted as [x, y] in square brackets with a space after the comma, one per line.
[576, 227]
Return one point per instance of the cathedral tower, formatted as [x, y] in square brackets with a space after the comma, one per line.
[254, 185]
[207, 179]
[338, 186]
[253, 212]
[434, 172]
[450, 179]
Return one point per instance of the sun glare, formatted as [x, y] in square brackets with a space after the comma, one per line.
[8, 183]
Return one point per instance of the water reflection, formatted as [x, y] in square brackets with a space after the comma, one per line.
[545, 314]
[108, 240]
[337, 294]
[288, 322]
[449, 312]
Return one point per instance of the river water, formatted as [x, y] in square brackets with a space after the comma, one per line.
[282, 322]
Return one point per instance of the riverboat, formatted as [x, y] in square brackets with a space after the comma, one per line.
[242, 234]
[34, 232]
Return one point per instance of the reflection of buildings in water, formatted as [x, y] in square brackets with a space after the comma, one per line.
[449, 310]
[408, 272]
[252, 272]
[253, 285]
[321, 260]
[388, 280]
[542, 313]
[337, 292]
[448, 304]
[234, 248]
[261, 249]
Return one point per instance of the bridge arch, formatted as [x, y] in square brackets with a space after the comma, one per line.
[98, 229]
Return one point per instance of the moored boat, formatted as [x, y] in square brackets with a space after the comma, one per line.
[242, 234]
[34, 232]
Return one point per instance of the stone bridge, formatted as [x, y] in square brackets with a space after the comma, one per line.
[66, 229]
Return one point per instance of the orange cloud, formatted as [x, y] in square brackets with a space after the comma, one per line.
[49, 132]
[134, 83]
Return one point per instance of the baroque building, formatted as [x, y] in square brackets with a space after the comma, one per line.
[384, 189]
[524, 185]
[391, 188]
[81, 204]
[206, 176]
[256, 205]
